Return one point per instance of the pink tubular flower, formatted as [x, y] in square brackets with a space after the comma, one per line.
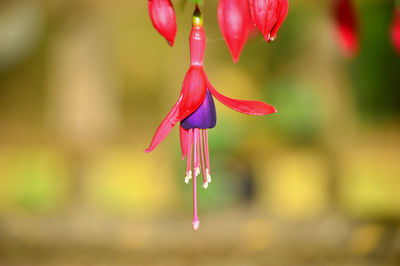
[347, 26]
[195, 110]
[235, 24]
[268, 16]
[395, 30]
[162, 16]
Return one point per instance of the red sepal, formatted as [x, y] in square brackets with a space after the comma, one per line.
[193, 92]
[166, 126]
[242, 106]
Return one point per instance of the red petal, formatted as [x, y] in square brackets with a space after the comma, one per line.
[162, 16]
[184, 136]
[193, 92]
[166, 126]
[242, 106]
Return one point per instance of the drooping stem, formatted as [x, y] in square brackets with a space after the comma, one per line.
[197, 2]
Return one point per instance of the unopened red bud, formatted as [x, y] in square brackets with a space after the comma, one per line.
[235, 24]
[395, 30]
[347, 27]
[162, 16]
[268, 16]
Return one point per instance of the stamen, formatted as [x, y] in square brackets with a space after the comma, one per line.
[198, 150]
[195, 154]
[205, 140]
[197, 141]
[196, 222]
[208, 176]
[205, 183]
[189, 158]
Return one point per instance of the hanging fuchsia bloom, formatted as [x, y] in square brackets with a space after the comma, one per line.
[162, 16]
[235, 24]
[268, 16]
[395, 30]
[347, 26]
[195, 110]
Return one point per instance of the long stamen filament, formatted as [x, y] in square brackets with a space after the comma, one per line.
[198, 150]
[189, 158]
[195, 157]
[205, 140]
[205, 183]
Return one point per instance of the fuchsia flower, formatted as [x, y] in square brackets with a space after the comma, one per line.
[347, 25]
[195, 110]
[268, 16]
[162, 16]
[395, 30]
[235, 24]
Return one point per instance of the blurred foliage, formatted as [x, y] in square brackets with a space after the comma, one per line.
[376, 87]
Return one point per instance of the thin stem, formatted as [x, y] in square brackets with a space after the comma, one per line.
[205, 183]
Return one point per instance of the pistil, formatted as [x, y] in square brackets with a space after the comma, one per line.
[196, 221]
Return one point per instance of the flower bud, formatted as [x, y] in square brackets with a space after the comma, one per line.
[395, 30]
[268, 16]
[281, 18]
[235, 24]
[347, 27]
[162, 16]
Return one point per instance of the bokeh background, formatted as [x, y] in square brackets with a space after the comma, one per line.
[85, 83]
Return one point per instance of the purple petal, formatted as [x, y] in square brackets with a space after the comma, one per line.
[204, 117]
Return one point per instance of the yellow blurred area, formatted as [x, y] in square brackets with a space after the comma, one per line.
[127, 181]
[299, 186]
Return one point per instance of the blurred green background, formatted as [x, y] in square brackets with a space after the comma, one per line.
[84, 84]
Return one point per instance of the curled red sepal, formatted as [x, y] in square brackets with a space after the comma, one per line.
[242, 106]
[347, 27]
[235, 24]
[395, 30]
[162, 16]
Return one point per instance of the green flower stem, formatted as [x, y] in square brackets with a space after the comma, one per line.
[199, 2]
